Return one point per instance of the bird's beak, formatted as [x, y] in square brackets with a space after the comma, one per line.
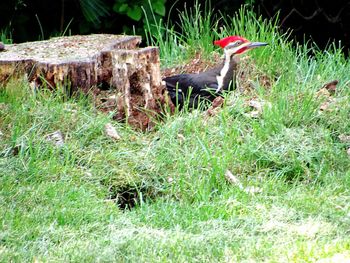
[256, 44]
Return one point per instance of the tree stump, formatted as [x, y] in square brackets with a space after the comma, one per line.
[83, 62]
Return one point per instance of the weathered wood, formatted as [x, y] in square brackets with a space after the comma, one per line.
[82, 62]
[137, 77]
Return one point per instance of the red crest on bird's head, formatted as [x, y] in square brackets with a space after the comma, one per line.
[227, 40]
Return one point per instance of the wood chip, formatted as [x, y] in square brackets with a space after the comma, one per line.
[112, 132]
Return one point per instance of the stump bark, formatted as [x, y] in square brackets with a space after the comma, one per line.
[83, 62]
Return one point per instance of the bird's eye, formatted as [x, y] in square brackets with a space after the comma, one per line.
[238, 43]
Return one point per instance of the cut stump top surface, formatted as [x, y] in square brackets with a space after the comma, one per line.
[88, 62]
[69, 49]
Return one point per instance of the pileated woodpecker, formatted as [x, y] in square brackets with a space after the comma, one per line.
[192, 88]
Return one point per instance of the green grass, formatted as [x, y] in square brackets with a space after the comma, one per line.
[57, 204]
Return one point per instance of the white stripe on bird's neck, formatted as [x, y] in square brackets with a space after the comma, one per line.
[223, 72]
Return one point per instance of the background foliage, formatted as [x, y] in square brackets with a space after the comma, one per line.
[24, 20]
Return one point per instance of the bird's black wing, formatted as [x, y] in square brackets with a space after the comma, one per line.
[178, 87]
[187, 89]
[192, 87]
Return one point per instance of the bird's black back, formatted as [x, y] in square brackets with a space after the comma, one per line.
[190, 89]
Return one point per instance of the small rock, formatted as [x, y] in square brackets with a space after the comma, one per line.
[2, 46]
[112, 132]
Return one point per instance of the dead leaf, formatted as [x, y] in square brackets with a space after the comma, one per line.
[258, 105]
[56, 138]
[217, 102]
[331, 86]
[255, 114]
[323, 93]
[324, 106]
[87, 173]
[327, 90]
[70, 108]
[4, 106]
[235, 181]
[170, 180]
[181, 137]
[112, 132]
[215, 107]
[232, 179]
[252, 189]
[344, 138]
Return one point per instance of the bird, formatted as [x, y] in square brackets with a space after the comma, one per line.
[191, 89]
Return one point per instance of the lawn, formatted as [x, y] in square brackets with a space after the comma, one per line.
[292, 201]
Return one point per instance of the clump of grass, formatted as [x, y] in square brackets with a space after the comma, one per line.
[195, 35]
[5, 36]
